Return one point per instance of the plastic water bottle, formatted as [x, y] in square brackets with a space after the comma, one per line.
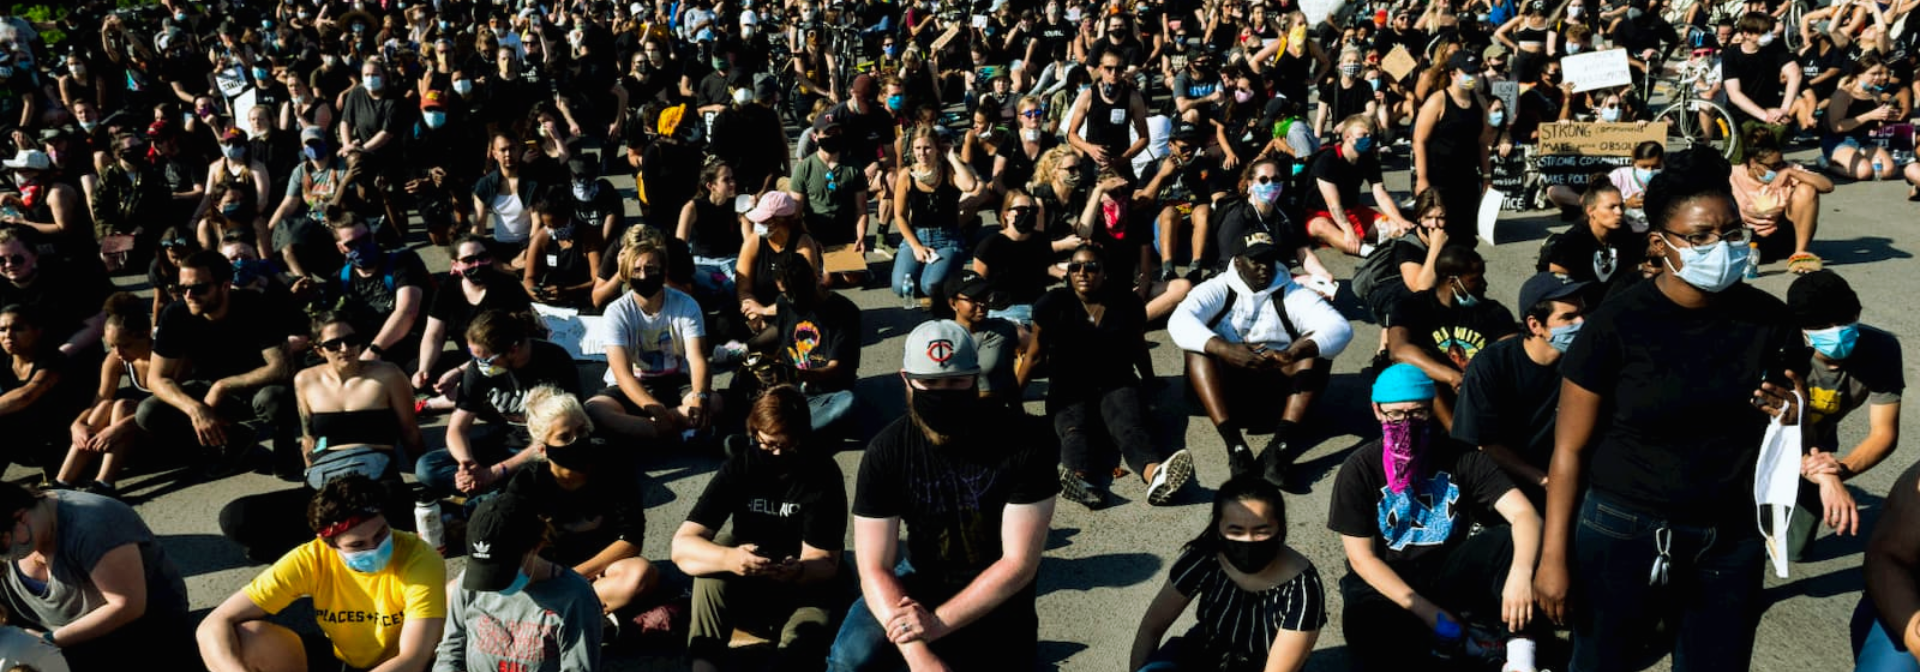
[1877, 167]
[426, 520]
[907, 292]
[1753, 259]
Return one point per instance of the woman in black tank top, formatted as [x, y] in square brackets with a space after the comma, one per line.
[1450, 139]
[926, 210]
[109, 427]
[713, 229]
[561, 254]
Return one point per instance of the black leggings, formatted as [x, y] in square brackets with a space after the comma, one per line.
[1116, 416]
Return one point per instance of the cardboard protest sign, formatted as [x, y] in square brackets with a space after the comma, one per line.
[1398, 63]
[1596, 70]
[1570, 153]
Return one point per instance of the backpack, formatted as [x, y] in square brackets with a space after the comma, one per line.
[1379, 267]
[1279, 308]
[1546, 249]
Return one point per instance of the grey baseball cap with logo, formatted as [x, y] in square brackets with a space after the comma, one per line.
[939, 349]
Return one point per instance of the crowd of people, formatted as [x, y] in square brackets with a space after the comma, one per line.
[1045, 183]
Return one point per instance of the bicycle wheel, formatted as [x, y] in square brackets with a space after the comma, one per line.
[1686, 126]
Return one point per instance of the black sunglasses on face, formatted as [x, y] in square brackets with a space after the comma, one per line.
[1265, 179]
[13, 260]
[473, 259]
[195, 289]
[343, 342]
[1087, 267]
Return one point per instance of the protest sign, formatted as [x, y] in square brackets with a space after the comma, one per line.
[1319, 10]
[1398, 63]
[1596, 70]
[1508, 93]
[1569, 153]
[578, 334]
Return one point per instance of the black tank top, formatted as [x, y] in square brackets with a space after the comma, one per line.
[937, 209]
[764, 271]
[1452, 147]
[1107, 123]
[716, 230]
[1856, 108]
[376, 426]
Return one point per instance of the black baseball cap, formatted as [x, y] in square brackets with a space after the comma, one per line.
[1466, 61]
[503, 528]
[1547, 287]
[968, 284]
[1259, 247]
[583, 168]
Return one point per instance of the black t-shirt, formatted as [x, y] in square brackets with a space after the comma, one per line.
[1345, 102]
[1238, 218]
[503, 398]
[451, 308]
[810, 339]
[369, 300]
[1758, 74]
[1017, 269]
[1679, 434]
[251, 326]
[1453, 485]
[65, 299]
[366, 117]
[1451, 334]
[953, 497]
[1813, 63]
[1345, 175]
[1509, 400]
[585, 521]
[1087, 358]
[775, 504]
[864, 134]
[1588, 259]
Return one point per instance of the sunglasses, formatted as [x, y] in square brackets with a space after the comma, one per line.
[13, 260]
[1087, 267]
[195, 289]
[473, 259]
[343, 342]
[1032, 114]
[1265, 179]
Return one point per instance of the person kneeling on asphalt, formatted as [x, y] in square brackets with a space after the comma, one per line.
[589, 492]
[508, 362]
[975, 484]
[1415, 566]
[1510, 398]
[775, 572]
[1251, 331]
[509, 594]
[378, 594]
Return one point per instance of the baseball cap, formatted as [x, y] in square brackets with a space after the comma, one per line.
[233, 134]
[1398, 383]
[1822, 299]
[825, 121]
[582, 168]
[1189, 134]
[1494, 51]
[433, 100]
[162, 129]
[1466, 61]
[30, 159]
[503, 528]
[1260, 247]
[772, 204]
[1547, 287]
[968, 284]
[939, 349]
[312, 133]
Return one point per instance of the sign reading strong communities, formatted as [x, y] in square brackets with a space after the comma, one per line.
[1568, 154]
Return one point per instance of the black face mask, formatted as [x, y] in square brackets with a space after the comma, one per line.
[832, 145]
[647, 286]
[1251, 556]
[1023, 222]
[952, 413]
[476, 273]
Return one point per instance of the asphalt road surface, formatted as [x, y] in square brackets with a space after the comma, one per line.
[1102, 567]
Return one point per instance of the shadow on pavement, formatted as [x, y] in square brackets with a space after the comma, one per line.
[1862, 250]
[1113, 570]
[197, 554]
[1052, 654]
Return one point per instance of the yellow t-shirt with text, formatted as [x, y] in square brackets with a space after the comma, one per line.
[360, 613]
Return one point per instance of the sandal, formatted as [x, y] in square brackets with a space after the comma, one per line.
[1804, 263]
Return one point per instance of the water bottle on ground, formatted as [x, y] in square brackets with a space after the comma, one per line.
[1877, 167]
[426, 520]
[907, 292]
[1753, 259]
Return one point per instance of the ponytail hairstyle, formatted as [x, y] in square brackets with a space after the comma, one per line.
[548, 406]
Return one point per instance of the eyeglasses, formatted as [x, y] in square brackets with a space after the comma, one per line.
[195, 289]
[1736, 236]
[1408, 414]
[1087, 267]
[343, 342]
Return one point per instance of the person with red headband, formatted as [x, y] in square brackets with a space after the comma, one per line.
[378, 593]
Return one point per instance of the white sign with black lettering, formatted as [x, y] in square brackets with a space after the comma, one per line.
[1596, 70]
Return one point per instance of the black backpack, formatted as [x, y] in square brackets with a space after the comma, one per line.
[1379, 267]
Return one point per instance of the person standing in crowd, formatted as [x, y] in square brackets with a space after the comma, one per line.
[1252, 337]
[508, 363]
[1261, 601]
[513, 609]
[219, 358]
[1662, 478]
[656, 344]
[1403, 506]
[976, 488]
[785, 497]
[1509, 393]
[378, 594]
[1451, 139]
[1853, 365]
[1440, 330]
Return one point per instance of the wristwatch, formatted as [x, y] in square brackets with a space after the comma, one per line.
[48, 638]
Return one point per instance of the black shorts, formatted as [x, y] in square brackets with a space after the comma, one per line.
[1779, 245]
[669, 390]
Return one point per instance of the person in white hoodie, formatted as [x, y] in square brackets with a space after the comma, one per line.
[1250, 332]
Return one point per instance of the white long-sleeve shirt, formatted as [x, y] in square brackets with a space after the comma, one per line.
[1252, 318]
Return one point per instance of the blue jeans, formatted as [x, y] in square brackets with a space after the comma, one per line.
[713, 276]
[436, 469]
[1711, 598]
[1874, 650]
[949, 244]
[1004, 639]
[829, 407]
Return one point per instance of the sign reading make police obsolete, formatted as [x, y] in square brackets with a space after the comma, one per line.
[1569, 153]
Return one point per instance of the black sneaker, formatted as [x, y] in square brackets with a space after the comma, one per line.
[1078, 490]
[1169, 272]
[1240, 461]
[101, 489]
[1276, 466]
[1172, 475]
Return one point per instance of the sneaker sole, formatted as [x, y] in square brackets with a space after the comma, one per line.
[1076, 490]
[1173, 475]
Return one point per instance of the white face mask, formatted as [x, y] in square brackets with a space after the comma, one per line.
[1765, 40]
[760, 229]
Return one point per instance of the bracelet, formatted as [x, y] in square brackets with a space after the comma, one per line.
[48, 638]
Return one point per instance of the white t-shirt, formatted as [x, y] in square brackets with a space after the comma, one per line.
[656, 344]
[512, 223]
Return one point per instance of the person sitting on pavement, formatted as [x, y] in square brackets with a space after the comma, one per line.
[1254, 336]
[1779, 200]
[1510, 394]
[996, 341]
[1887, 620]
[975, 486]
[775, 572]
[1018, 262]
[87, 575]
[508, 363]
[588, 492]
[49, 212]
[383, 292]
[68, 297]
[1262, 604]
[1092, 336]
[512, 609]
[1441, 329]
[37, 384]
[107, 428]
[1603, 250]
[777, 231]
[298, 224]
[1258, 207]
[1853, 365]
[378, 594]
[656, 355]
[816, 334]
[476, 287]
[1402, 506]
[561, 253]
[1335, 216]
[1402, 266]
[356, 418]
[1184, 186]
[219, 359]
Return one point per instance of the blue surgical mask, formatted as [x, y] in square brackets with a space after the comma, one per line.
[1573, 48]
[262, 74]
[1610, 114]
[1497, 118]
[234, 152]
[1711, 268]
[896, 103]
[314, 152]
[1767, 177]
[230, 210]
[1836, 342]
[1561, 337]
[462, 86]
[1266, 193]
[376, 83]
[369, 562]
[1462, 297]
[1363, 144]
[1645, 175]
[434, 118]
[520, 580]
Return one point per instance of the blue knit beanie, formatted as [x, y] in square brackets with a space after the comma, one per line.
[1402, 382]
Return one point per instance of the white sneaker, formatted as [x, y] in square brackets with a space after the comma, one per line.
[1172, 475]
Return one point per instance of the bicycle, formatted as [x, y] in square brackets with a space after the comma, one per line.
[1690, 119]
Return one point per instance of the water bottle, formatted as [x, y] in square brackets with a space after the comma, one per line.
[1753, 259]
[907, 291]
[1877, 167]
[426, 520]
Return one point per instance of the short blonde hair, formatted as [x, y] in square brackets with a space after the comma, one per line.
[548, 406]
[1361, 121]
